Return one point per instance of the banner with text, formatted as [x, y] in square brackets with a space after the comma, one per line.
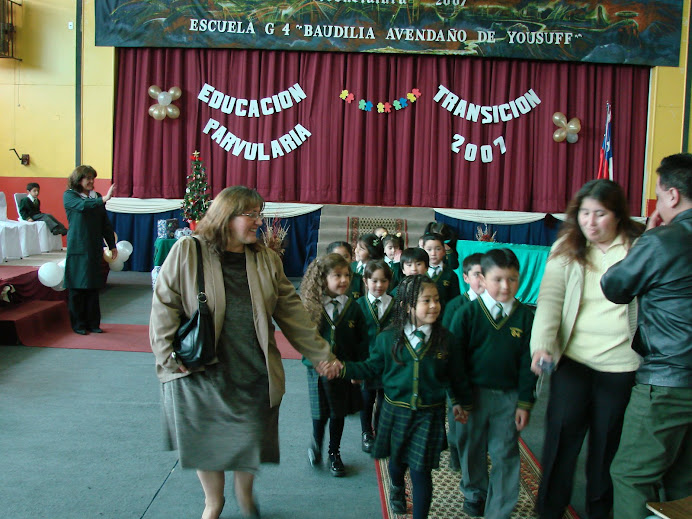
[609, 31]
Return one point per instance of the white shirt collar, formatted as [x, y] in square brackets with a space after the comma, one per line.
[412, 339]
[30, 197]
[432, 271]
[472, 295]
[490, 305]
[384, 303]
[92, 194]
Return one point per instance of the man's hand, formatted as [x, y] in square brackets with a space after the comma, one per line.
[654, 220]
[331, 370]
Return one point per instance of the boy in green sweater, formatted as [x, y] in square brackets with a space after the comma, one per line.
[444, 277]
[494, 334]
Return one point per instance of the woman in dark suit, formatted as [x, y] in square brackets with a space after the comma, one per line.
[89, 227]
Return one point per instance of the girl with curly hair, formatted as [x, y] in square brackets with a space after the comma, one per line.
[342, 324]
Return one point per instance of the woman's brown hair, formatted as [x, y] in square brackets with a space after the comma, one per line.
[74, 181]
[315, 283]
[233, 201]
[572, 242]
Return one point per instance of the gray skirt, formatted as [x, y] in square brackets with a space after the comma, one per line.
[217, 425]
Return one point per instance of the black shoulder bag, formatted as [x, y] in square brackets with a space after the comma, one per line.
[194, 341]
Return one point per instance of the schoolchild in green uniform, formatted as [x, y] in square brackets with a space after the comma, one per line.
[473, 277]
[377, 307]
[342, 324]
[494, 333]
[343, 248]
[471, 268]
[393, 246]
[420, 364]
[368, 248]
[414, 260]
[446, 279]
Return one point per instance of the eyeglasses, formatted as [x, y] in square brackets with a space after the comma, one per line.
[254, 215]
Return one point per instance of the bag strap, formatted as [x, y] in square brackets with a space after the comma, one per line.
[200, 273]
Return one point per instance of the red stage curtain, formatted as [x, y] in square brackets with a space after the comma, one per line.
[358, 157]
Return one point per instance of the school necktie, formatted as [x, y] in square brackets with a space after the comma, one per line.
[335, 313]
[35, 202]
[498, 312]
[360, 269]
[421, 336]
[376, 304]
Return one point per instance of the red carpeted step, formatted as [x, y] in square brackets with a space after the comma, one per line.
[47, 324]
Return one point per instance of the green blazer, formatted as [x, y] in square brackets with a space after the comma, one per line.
[89, 227]
[27, 208]
[422, 379]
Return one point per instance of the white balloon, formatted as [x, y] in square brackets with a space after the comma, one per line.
[60, 287]
[572, 137]
[50, 275]
[117, 264]
[61, 264]
[126, 245]
[123, 252]
[164, 98]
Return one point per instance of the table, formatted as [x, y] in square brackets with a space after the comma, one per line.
[162, 246]
[532, 260]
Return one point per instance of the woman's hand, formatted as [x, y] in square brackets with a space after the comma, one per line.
[181, 366]
[109, 195]
[537, 356]
[521, 418]
[330, 370]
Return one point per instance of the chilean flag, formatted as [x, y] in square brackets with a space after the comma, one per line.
[605, 163]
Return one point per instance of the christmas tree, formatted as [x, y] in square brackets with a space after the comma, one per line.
[196, 200]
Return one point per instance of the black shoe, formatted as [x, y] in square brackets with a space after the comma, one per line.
[397, 499]
[474, 508]
[96, 330]
[367, 442]
[80, 331]
[336, 466]
[314, 453]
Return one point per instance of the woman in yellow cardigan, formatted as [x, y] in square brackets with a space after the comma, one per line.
[224, 416]
[589, 340]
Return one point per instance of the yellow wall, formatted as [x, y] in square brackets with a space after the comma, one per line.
[37, 94]
[666, 110]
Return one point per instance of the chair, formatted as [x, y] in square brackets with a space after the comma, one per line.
[47, 240]
[23, 241]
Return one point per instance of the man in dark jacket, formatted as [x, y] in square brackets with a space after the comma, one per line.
[655, 452]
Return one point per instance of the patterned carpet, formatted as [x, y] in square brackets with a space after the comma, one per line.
[357, 225]
[448, 500]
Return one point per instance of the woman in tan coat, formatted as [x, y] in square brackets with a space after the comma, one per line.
[589, 339]
[224, 416]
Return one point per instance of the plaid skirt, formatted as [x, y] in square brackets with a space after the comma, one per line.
[414, 438]
[332, 398]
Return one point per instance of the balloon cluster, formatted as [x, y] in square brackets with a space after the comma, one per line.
[124, 251]
[566, 129]
[52, 275]
[163, 107]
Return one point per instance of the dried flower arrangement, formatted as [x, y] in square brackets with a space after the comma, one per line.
[484, 234]
[274, 234]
